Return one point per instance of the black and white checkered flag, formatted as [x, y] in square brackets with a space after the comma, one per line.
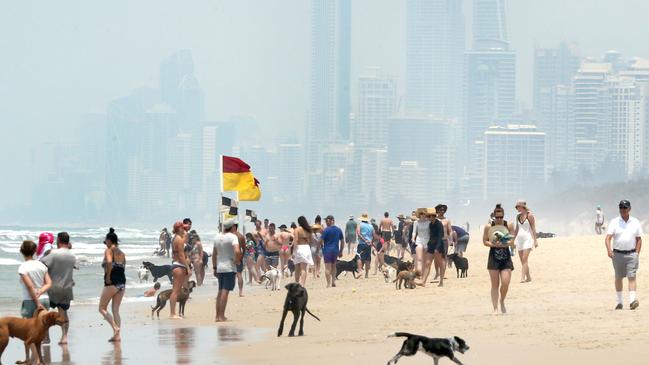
[251, 215]
[229, 206]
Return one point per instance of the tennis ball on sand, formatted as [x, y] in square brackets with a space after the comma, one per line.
[353, 290]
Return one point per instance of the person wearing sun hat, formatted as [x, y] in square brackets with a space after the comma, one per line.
[623, 244]
[365, 234]
[421, 235]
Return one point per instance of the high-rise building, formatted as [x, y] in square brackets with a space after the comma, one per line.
[429, 142]
[343, 99]
[180, 89]
[554, 70]
[560, 130]
[489, 25]
[376, 103]
[490, 90]
[490, 72]
[627, 127]
[590, 111]
[552, 67]
[514, 161]
[435, 48]
[328, 120]
[289, 170]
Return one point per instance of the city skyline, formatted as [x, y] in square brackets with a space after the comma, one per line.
[193, 106]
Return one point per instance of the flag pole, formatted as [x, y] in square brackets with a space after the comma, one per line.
[221, 192]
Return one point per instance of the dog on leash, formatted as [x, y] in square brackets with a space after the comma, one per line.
[433, 347]
[296, 300]
[347, 266]
[31, 330]
[143, 274]
[407, 278]
[389, 274]
[461, 264]
[274, 278]
[158, 271]
[164, 296]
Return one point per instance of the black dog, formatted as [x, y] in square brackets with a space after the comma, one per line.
[391, 260]
[158, 271]
[461, 265]
[434, 347]
[296, 300]
[164, 295]
[350, 266]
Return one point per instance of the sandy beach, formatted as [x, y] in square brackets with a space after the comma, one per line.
[564, 316]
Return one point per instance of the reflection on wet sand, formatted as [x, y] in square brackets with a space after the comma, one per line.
[230, 334]
[114, 356]
[183, 340]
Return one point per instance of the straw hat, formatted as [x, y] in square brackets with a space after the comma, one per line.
[364, 217]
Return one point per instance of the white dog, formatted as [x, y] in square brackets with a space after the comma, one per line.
[389, 274]
[273, 277]
[143, 274]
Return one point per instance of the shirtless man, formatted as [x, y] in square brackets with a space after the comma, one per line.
[386, 226]
[284, 239]
[180, 268]
[272, 246]
[440, 261]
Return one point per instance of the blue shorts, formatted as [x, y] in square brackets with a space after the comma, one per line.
[330, 257]
[29, 307]
[365, 251]
[226, 280]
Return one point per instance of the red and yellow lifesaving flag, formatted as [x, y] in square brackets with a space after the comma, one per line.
[238, 177]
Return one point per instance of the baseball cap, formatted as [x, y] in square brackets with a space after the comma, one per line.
[229, 223]
[625, 204]
[330, 217]
[283, 226]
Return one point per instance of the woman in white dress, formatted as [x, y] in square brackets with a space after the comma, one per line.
[301, 249]
[525, 238]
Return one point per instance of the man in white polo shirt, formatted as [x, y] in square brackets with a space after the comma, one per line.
[626, 233]
[226, 255]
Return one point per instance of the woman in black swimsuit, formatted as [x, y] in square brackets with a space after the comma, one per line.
[500, 263]
[114, 283]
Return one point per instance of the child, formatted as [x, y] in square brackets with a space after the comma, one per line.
[151, 291]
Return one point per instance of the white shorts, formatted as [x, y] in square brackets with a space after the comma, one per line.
[303, 255]
[524, 243]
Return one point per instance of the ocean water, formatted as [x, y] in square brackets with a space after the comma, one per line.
[87, 245]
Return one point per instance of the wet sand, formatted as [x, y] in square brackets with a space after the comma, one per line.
[565, 316]
[143, 340]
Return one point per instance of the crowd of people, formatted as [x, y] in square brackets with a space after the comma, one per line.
[427, 235]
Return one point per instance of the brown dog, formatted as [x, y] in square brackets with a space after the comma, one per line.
[30, 330]
[407, 278]
[164, 295]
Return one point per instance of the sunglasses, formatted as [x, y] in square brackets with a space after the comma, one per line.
[624, 208]
[499, 217]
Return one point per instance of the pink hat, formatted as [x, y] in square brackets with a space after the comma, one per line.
[44, 239]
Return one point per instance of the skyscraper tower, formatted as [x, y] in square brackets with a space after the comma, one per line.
[328, 120]
[489, 24]
[490, 77]
[434, 57]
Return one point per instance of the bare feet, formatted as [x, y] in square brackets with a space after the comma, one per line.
[23, 362]
[440, 284]
[503, 309]
[116, 337]
[224, 319]
[241, 295]
[495, 312]
[175, 316]
[64, 341]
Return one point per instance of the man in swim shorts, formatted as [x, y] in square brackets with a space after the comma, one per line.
[333, 244]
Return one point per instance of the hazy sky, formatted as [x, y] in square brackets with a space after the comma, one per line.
[66, 58]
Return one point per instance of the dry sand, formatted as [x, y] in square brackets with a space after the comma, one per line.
[564, 316]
